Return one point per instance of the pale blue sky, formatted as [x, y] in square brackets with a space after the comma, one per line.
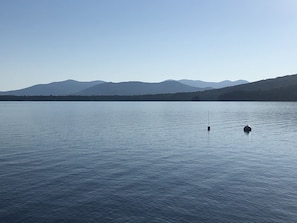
[42, 41]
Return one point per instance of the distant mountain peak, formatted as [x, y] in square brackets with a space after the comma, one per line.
[73, 87]
[67, 87]
[215, 85]
[137, 88]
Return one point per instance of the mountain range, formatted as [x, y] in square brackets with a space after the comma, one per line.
[274, 89]
[215, 85]
[101, 88]
[68, 87]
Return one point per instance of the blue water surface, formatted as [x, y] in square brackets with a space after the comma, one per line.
[148, 162]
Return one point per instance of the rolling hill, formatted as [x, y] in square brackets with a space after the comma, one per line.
[138, 88]
[276, 89]
[72, 87]
[67, 87]
[215, 85]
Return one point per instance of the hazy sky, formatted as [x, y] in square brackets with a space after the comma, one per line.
[42, 41]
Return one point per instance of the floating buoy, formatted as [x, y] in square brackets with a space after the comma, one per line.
[247, 129]
[208, 127]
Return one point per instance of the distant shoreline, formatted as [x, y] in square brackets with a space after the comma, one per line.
[91, 98]
[165, 97]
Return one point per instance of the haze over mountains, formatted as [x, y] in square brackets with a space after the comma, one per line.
[72, 87]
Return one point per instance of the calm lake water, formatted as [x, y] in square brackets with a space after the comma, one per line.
[148, 162]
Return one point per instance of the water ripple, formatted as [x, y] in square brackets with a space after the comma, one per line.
[148, 162]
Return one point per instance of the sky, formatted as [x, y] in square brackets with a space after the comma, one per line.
[43, 41]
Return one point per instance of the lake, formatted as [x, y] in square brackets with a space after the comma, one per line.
[148, 162]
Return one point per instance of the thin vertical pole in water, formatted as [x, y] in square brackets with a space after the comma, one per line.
[208, 127]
